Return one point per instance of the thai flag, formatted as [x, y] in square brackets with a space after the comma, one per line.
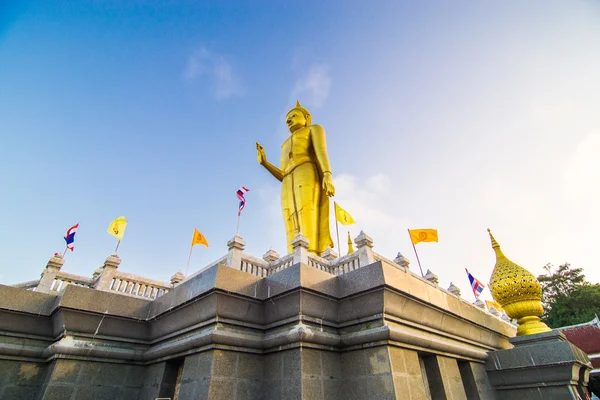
[475, 284]
[70, 237]
[240, 195]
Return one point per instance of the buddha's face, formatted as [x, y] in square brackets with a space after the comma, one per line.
[295, 120]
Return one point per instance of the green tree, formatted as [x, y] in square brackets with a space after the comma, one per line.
[567, 297]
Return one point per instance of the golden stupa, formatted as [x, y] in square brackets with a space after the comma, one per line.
[518, 292]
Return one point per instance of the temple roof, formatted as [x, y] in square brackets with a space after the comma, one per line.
[586, 336]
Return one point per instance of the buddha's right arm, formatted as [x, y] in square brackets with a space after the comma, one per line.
[276, 172]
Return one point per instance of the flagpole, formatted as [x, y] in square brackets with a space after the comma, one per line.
[416, 254]
[188, 262]
[237, 229]
[337, 231]
[65, 252]
[117, 248]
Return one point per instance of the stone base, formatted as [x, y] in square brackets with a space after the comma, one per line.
[540, 366]
[378, 332]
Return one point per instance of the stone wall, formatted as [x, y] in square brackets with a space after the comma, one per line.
[21, 379]
[301, 333]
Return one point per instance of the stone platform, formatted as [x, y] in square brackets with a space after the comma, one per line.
[295, 329]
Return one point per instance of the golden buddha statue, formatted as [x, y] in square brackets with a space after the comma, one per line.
[518, 292]
[306, 182]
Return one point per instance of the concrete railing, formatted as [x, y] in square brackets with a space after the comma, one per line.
[346, 264]
[62, 279]
[254, 266]
[137, 286]
[281, 264]
[319, 263]
[31, 285]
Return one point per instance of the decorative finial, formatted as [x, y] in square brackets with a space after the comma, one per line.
[495, 245]
[350, 247]
[298, 104]
[518, 292]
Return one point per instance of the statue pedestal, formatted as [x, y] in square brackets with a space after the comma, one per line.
[540, 366]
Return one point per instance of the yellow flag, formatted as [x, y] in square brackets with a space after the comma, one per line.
[342, 215]
[199, 238]
[494, 304]
[423, 235]
[117, 227]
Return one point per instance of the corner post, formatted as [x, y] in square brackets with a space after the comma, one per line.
[364, 243]
[49, 273]
[234, 255]
[109, 270]
[300, 246]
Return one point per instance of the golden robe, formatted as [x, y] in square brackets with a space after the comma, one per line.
[304, 204]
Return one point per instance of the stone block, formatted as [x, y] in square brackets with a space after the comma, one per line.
[225, 364]
[197, 366]
[14, 392]
[222, 389]
[250, 366]
[113, 303]
[282, 307]
[361, 306]
[65, 371]
[251, 390]
[238, 308]
[331, 364]
[318, 306]
[312, 388]
[272, 391]
[17, 299]
[291, 389]
[354, 364]
[381, 387]
[26, 323]
[58, 392]
[332, 388]
[475, 380]
[135, 376]
[153, 374]
[364, 278]
[356, 388]
[187, 315]
[98, 392]
[193, 287]
[408, 379]
[292, 364]
[273, 367]
[540, 366]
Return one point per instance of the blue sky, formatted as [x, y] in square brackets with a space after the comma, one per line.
[457, 116]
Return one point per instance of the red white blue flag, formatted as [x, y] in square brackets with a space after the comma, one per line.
[475, 284]
[241, 198]
[70, 236]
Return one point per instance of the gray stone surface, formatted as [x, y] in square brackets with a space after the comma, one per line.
[475, 380]
[407, 375]
[367, 373]
[76, 379]
[26, 300]
[451, 378]
[21, 380]
[541, 366]
[299, 333]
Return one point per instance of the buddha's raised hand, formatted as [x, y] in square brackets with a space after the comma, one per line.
[260, 154]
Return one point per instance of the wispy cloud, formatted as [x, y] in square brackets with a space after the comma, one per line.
[583, 168]
[372, 203]
[204, 63]
[314, 86]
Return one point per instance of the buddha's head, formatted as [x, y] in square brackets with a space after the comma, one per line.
[298, 117]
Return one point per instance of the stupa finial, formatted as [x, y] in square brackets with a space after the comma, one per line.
[518, 292]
